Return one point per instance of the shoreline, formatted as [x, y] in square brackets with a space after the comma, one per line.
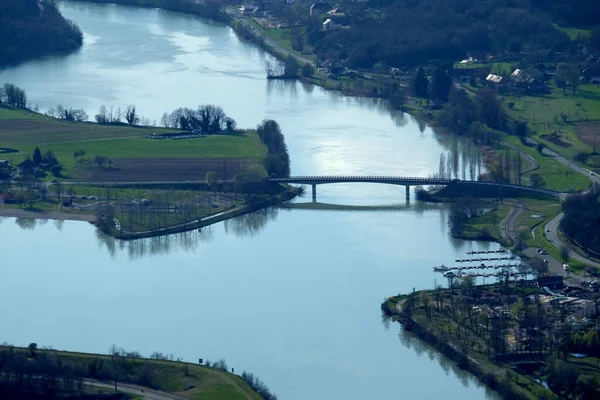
[53, 215]
[179, 228]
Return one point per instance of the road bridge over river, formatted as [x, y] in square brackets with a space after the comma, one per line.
[406, 181]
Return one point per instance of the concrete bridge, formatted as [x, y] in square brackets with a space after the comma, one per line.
[406, 181]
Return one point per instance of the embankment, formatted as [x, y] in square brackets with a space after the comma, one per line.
[288, 194]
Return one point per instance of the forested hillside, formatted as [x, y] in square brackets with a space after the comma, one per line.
[31, 28]
[412, 32]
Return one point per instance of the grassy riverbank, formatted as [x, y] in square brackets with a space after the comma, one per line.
[188, 380]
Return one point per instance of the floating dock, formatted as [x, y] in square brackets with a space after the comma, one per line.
[486, 251]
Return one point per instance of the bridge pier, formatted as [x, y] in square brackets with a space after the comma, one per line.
[407, 193]
[314, 192]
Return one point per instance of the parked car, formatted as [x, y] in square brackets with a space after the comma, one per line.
[544, 252]
[566, 267]
[215, 205]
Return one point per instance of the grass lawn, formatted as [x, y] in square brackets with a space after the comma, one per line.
[7, 112]
[216, 146]
[557, 176]
[490, 222]
[544, 115]
[574, 33]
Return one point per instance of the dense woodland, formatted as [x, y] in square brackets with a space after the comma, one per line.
[582, 219]
[412, 32]
[31, 28]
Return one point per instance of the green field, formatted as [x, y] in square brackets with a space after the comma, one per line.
[575, 33]
[24, 131]
[544, 114]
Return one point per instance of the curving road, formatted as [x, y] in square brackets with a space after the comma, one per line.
[146, 392]
[552, 236]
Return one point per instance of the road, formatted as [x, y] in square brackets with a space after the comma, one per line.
[507, 225]
[234, 13]
[552, 236]
[147, 392]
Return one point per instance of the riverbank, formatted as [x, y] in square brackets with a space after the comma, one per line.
[158, 377]
[464, 324]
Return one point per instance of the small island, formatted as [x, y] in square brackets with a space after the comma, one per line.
[35, 28]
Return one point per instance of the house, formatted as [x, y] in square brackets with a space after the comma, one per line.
[329, 24]
[591, 74]
[552, 282]
[589, 51]
[336, 12]
[332, 67]
[9, 198]
[247, 9]
[521, 77]
[319, 8]
[492, 78]
[26, 167]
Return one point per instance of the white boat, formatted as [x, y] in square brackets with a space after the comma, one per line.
[441, 268]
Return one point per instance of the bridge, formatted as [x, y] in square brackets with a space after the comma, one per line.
[406, 181]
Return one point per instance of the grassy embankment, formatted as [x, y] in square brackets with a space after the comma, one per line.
[206, 383]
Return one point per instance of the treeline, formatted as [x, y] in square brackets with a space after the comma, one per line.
[258, 386]
[13, 95]
[581, 221]
[571, 12]
[277, 160]
[207, 118]
[410, 32]
[32, 28]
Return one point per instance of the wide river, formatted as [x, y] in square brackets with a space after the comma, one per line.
[290, 295]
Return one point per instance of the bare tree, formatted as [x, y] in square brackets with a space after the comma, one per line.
[565, 253]
[131, 115]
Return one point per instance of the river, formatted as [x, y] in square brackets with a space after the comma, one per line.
[290, 295]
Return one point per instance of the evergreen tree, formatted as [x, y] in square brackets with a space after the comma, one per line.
[442, 81]
[420, 85]
[37, 156]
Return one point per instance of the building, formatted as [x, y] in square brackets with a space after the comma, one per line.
[552, 282]
[591, 74]
[521, 77]
[247, 9]
[8, 198]
[26, 167]
[329, 24]
[492, 78]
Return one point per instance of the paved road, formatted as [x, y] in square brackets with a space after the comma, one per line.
[552, 236]
[234, 13]
[507, 225]
[148, 393]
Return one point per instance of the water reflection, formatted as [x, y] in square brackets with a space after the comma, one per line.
[249, 225]
[26, 223]
[420, 347]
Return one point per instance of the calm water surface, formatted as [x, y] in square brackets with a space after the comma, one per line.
[290, 295]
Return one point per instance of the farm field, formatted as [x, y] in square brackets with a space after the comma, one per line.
[133, 156]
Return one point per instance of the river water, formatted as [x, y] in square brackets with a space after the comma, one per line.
[291, 295]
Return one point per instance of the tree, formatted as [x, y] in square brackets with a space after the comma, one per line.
[102, 116]
[100, 160]
[567, 74]
[32, 350]
[308, 70]
[537, 181]
[489, 109]
[420, 84]
[538, 265]
[291, 67]
[442, 82]
[565, 254]
[14, 95]
[37, 156]
[210, 178]
[131, 115]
